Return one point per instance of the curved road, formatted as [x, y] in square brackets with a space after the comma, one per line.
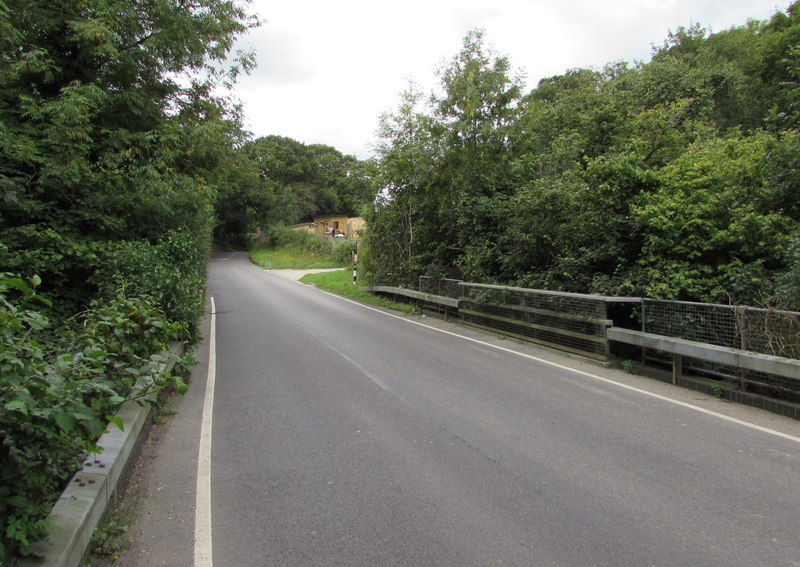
[347, 435]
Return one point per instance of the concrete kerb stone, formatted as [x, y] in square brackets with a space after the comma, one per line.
[84, 502]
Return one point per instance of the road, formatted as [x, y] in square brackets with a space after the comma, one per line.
[349, 435]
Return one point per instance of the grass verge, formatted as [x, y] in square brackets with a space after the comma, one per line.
[341, 283]
[291, 257]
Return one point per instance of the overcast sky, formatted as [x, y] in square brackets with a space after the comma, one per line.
[327, 69]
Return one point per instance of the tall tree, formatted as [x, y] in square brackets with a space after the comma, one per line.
[403, 214]
[475, 117]
[445, 167]
[110, 130]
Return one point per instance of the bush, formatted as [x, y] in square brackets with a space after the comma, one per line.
[282, 236]
[59, 391]
[172, 272]
[344, 251]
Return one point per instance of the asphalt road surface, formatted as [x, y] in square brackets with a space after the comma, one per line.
[348, 435]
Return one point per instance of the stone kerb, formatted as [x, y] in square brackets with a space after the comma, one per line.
[91, 491]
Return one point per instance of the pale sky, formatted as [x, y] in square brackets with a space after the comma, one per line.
[327, 69]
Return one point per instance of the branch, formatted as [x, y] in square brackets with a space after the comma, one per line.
[138, 42]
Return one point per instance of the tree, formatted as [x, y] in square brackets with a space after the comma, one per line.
[291, 182]
[710, 231]
[398, 214]
[677, 177]
[444, 167]
[112, 150]
[475, 117]
[110, 131]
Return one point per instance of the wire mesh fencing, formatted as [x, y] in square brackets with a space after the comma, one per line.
[570, 322]
[765, 331]
[444, 287]
[578, 323]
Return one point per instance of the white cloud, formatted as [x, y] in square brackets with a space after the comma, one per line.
[328, 69]
[280, 56]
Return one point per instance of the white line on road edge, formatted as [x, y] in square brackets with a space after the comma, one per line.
[586, 374]
[202, 519]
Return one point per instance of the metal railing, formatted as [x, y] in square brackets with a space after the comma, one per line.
[445, 287]
[582, 324]
[764, 331]
[578, 323]
[571, 322]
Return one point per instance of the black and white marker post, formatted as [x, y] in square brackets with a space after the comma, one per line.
[355, 266]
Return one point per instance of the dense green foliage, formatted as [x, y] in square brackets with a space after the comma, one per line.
[673, 179]
[677, 178]
[58, 392]
[281, 181]
[110, 134]
[113, 149]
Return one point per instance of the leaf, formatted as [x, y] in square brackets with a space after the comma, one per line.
[116, 421]
[115, 400]
[18, 284]
[65, 421]
[17, 405]
[37, 321]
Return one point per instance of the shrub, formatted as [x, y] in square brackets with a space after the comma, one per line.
[344, 251]
[283, 236]
[59, 391]
[172, 272]
[279, 236]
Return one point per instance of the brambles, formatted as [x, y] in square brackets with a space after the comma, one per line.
[59, 392]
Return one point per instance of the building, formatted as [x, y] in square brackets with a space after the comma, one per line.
[349, 227]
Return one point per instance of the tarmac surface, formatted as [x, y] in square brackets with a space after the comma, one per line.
[346, 435]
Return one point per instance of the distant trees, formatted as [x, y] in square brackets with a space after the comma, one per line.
[282, 181]
[676, 178]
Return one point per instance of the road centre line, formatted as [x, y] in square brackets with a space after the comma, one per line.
[584, 373]
[202, 521]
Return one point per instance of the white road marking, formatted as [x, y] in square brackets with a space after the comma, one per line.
[202, 520]
[586, 374]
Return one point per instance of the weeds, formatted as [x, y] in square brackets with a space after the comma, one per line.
[59, 390]
[631, 367]
[111, 537]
